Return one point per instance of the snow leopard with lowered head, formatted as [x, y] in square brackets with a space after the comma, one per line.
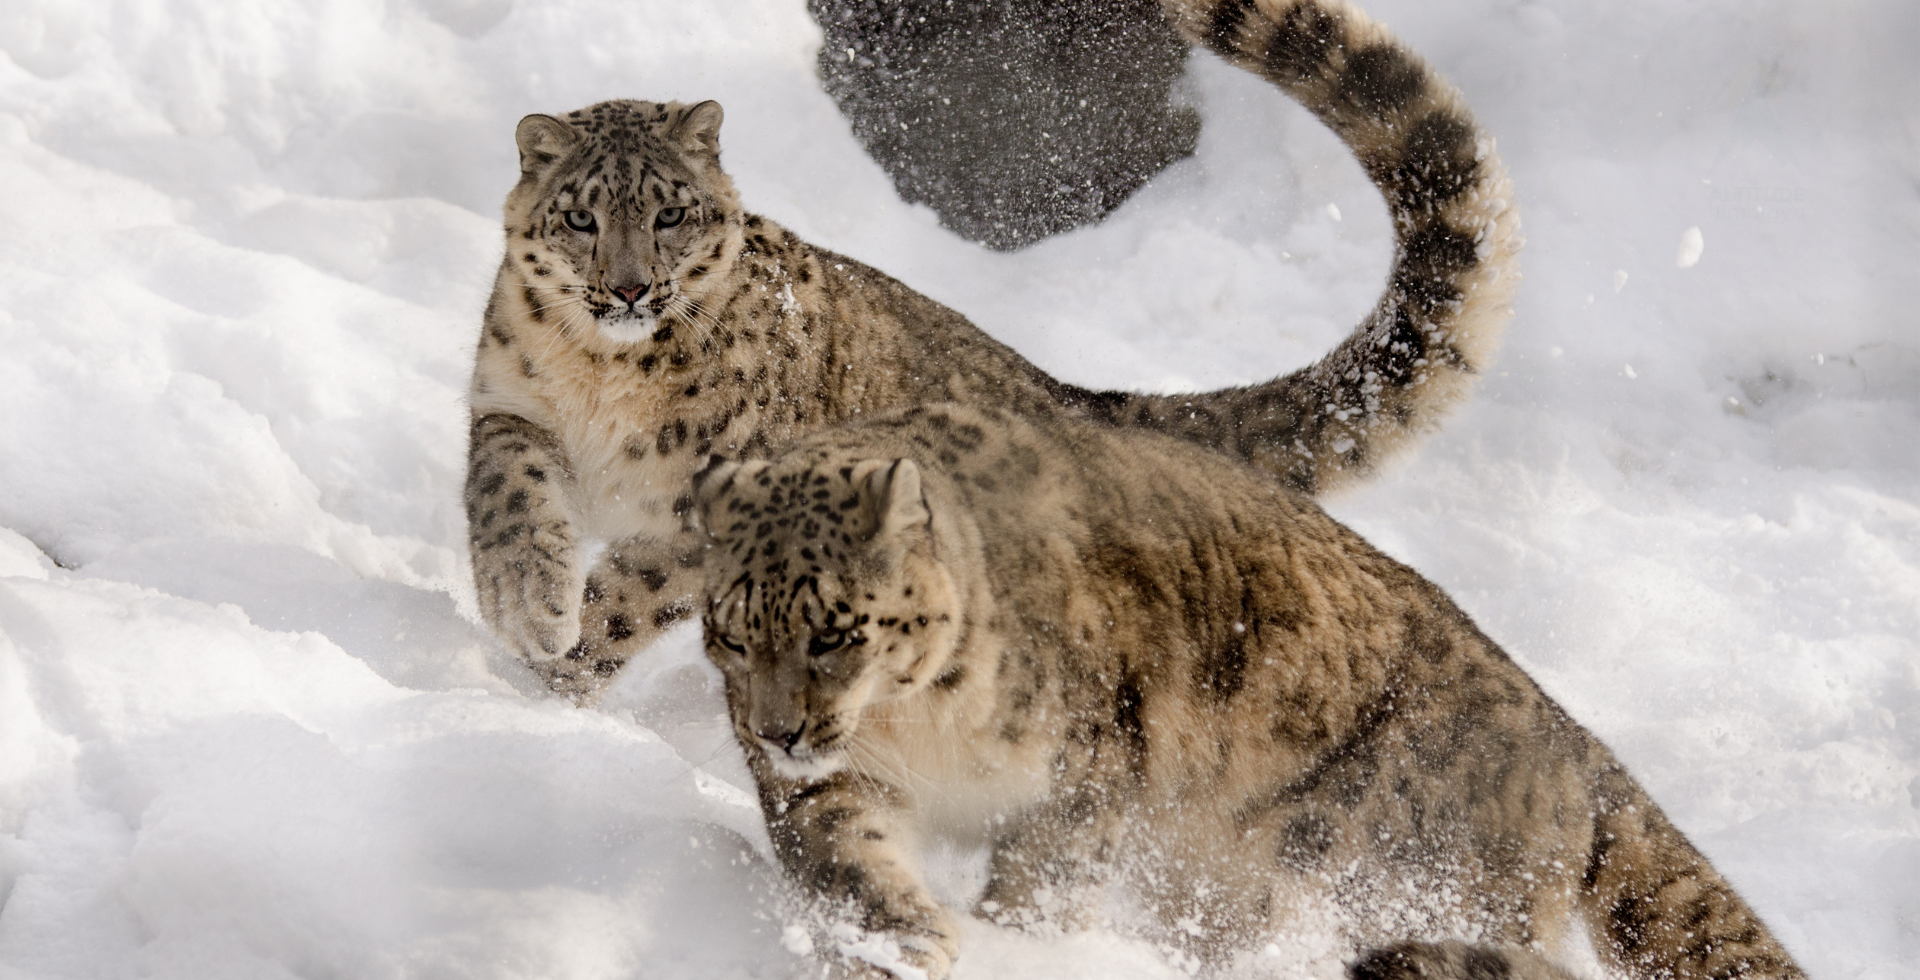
[642, 319]
[1118, 659]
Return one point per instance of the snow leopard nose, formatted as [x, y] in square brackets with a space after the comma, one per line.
[631, 294]
[773, 735]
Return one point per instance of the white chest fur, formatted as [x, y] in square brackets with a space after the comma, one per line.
[608, 415]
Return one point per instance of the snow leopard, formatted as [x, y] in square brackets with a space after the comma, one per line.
[642, 319]
[1123, 662]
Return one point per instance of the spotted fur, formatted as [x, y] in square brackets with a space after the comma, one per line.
[641, 319]
[1451, 961]
[1120, 658]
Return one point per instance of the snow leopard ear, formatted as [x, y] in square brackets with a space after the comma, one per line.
[895, 503]
[698, 130]
[711, 484]
[542, 140]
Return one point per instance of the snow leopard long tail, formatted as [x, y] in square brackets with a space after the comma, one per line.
[1456, 241]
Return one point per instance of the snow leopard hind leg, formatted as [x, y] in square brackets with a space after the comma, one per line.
[1451, 960]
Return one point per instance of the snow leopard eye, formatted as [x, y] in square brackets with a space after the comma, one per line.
[732, 644]
[580, 220]
[825, 643]
[668, 217]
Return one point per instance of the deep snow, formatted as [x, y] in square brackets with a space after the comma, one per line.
[248, 729]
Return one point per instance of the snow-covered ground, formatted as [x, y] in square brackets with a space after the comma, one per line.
[248, 728]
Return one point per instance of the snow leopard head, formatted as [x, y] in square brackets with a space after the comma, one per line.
[824, 596]
[621, 216]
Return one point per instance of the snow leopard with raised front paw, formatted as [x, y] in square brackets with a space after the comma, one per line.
[641, 319]
[1121, 660]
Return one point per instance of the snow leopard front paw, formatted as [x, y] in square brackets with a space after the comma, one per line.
[641, 587]
[868, 955]
[531, 597]
[522, 538]
[578, 676]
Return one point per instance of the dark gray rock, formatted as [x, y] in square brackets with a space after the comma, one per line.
[1012, 119]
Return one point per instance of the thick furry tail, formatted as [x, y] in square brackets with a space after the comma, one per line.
[1456, 235]
[1657, 909]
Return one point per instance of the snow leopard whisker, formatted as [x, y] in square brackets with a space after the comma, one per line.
[890, 767]
[690, 312]
[693, 767]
